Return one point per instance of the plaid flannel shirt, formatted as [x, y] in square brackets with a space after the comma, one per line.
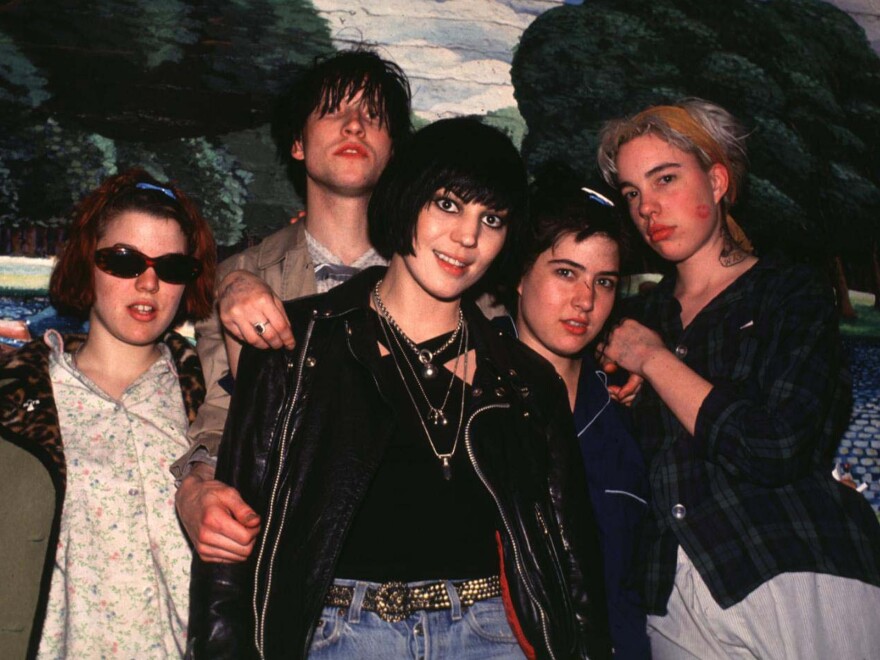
[750, 495]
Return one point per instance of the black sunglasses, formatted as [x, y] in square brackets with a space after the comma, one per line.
[128, 263]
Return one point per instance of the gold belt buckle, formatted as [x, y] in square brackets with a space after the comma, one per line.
[393, 602]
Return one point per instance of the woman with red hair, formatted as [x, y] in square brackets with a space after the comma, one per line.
[88, 426]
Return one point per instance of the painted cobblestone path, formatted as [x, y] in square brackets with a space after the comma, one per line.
[860, 446]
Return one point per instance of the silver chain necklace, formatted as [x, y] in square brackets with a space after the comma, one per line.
[435, 415]
[425, 356]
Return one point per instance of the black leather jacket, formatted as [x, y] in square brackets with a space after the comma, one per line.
[305, 435]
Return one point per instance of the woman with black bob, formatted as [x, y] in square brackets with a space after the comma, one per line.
[416, 471]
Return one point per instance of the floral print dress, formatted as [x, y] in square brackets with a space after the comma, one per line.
[121, 577]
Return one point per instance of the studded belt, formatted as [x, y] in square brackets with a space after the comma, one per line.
[394, 601]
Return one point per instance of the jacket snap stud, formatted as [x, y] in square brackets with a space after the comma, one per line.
[512, 373]
[681, 351]
[311, 361]
[679, 512]
[500, 391]
[477, 392]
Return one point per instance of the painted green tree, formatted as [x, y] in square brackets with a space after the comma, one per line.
[182, 88]
[800, 73]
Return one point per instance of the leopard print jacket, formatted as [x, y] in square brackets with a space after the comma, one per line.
[28, 416]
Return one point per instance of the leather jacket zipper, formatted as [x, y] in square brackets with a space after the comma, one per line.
[541, 521]
[260, 614]
[325, 587]
[554, 556]
[517, 559]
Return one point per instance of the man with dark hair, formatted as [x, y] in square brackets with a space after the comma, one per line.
[380, 84]
[337, 125]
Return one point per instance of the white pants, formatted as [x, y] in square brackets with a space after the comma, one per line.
[796, 616]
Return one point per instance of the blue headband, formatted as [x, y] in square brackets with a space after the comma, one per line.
[143, 185]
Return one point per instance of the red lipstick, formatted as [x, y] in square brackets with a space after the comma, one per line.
[143, 311]
[351, 150]
[657, 233]
[575, 327]
[450, 264]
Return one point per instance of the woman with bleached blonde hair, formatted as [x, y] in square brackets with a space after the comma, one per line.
[751, 549]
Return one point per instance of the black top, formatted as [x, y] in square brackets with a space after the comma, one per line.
[307, 432]
[413, 523]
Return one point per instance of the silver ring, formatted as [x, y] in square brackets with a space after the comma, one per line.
[260, 328]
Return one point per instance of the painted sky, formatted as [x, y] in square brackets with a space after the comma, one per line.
[456, 53]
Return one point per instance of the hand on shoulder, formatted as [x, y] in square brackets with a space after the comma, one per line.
[251, 312]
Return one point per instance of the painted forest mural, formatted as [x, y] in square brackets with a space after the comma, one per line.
[187, 90]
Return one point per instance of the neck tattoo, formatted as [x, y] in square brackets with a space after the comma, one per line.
[731, 252]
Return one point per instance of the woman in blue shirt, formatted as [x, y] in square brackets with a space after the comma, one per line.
[568, 280]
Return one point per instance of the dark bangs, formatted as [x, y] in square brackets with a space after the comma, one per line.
[379, 98]
[476, 162]
[475, 187]
[384, 87]
[330, 81]
[563, 203]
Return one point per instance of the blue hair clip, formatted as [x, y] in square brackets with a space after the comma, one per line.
[597, 197]
[143, 185]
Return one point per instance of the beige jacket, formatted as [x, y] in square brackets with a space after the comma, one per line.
[282, 261]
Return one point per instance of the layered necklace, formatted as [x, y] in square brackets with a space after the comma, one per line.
[436, 415]
[425, 357]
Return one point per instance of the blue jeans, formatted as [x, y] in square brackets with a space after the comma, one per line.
[479, 632]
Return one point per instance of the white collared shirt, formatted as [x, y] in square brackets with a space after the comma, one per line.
[321, 254]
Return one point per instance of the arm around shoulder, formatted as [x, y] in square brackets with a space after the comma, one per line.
[206, 431]
[217, 365]
[221, 616]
